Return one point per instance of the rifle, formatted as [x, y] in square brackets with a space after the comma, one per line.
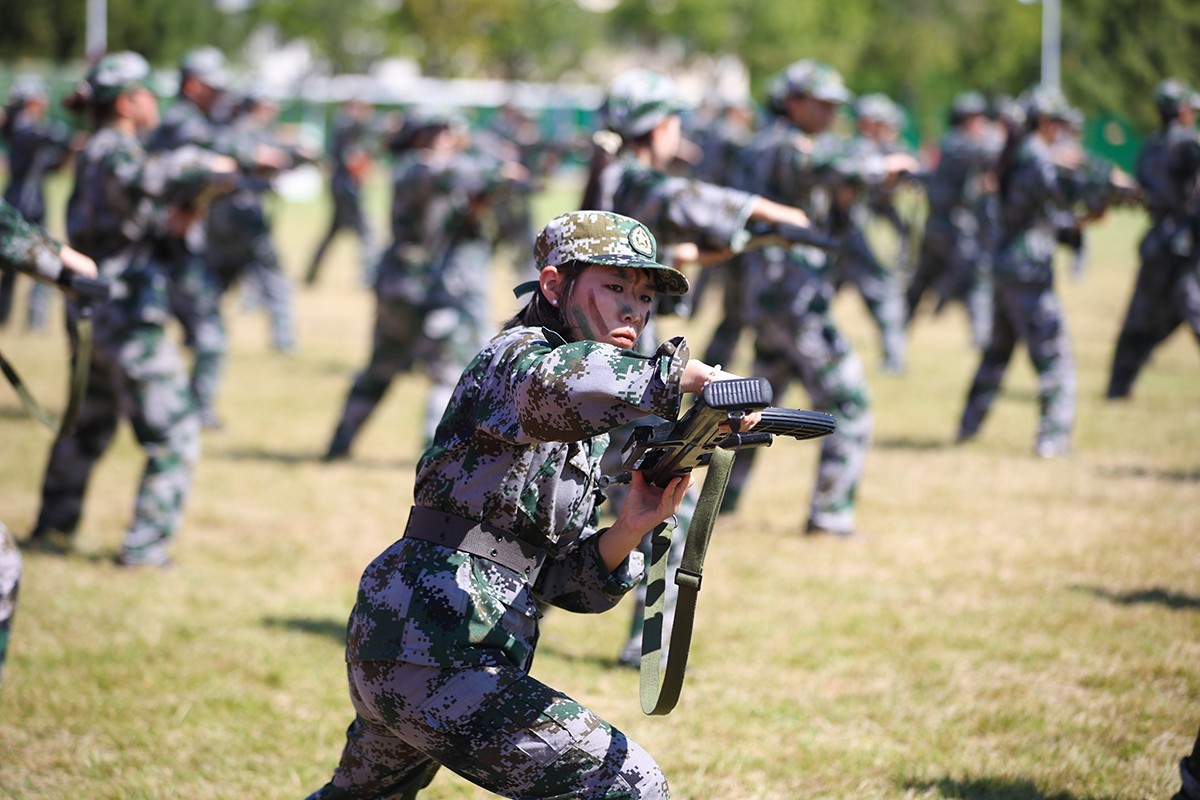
[663, 452]
[668, 450]
[758, 235]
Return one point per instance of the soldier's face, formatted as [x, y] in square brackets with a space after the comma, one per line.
[609, 304]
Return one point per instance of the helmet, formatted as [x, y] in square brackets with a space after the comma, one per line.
[206, 64]
[808, 78]
[638, 100]
[1172, 95]
[879, 108]
[114, 75]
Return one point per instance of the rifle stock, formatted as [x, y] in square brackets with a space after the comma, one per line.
[668, 450]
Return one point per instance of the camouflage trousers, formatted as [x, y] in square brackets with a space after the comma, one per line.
[1032, 314]
[10, 584]
[809, 347]
[347, 215]
[955, 266]
[38, 309]
[1166, 296]
[136, 373]
[195, 296]
[443, 340]
[497, 727]
[857, 266]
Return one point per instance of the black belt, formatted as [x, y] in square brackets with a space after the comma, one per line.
[476, 538]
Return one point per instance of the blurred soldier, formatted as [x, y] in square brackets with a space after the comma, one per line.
[135, 368]
[432, 284]
[798, 161]
[36, 147]
[953, 260]
[1035, 187]
[25, 247]
[879, 121]
[349, 151]
[512, 135]
[1167, 293]
[239, 232]
[1189, 774]
[195, 290]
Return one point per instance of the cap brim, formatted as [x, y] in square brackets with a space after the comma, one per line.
[840, 95]
[667, 280]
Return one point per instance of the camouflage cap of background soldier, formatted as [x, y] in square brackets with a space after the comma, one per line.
[1171, 95]
[879, 108]
[638, 100]
[808, 78]
[27, 87]
[116, 74]
[602, 237]
[1046, 102]
[967, 104]
[207, 65]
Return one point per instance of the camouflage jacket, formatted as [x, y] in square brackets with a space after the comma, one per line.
[185, 124]
[956, 186]
[676, 209]
[1033, 195]
[25, 247]
[34, 149]
[1167, 169]
[519, 447]
[350, 140]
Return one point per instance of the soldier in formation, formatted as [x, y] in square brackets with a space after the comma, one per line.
[505, 515]
[36, 147]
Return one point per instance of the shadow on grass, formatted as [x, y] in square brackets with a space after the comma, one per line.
[548, 650]
[1169, 475]
[333, 629]
[281, 457]
[909, 443]
[1176, 601]
[993, 789]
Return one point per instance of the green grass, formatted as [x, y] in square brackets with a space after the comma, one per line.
[1009, 627]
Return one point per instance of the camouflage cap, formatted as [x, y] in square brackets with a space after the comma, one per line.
[26, 87]
[1046, 102]
[808, 78]
[968, 104]
[116, 74]
[207, 64]
[638, 100]
[1172, 95]
[879, 108]
[602, 237]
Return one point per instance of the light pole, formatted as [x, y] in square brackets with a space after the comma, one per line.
[96, 38]
[1051, 41]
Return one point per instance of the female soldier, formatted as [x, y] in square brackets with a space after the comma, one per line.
[1034, 192]
[442, 636]
[135, 367]
[35, 147]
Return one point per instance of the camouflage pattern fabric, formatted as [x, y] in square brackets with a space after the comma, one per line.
[1167, 291]
[35, 148]
[518, 447]
[788, 303]
[431, 288]
[955, 253]
[1026, 308]
[135, 368]
[25, 247]
[10, 585]
[346, 145]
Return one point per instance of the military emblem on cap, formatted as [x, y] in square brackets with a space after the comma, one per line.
[602, 237]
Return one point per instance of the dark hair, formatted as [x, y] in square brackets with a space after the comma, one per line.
[539, 313]
[1006, 164]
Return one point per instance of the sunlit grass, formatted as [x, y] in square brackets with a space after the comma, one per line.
[1006, 628]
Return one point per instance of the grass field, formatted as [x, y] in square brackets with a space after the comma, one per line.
[1007, 628]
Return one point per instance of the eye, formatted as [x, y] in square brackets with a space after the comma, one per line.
[647, 299]
[616, 287]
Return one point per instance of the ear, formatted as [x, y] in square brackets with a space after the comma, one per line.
[550, 280]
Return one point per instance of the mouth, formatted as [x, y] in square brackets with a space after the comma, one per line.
[624, 338]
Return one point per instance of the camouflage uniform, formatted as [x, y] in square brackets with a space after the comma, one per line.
[195, 291]
[1167, 292]
[857, 265]
[35, 147]
[135, 368]
[240, 244]
[789, 306]
[347, 145]
[1026, 308]
[954, 259]
[431, 286]
[441, 640]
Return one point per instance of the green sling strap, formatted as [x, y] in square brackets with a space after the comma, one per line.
[79, 379]
[661, 685]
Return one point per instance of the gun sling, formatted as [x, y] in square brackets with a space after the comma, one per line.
[79, 378]
[476, 538]
[661, 684]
